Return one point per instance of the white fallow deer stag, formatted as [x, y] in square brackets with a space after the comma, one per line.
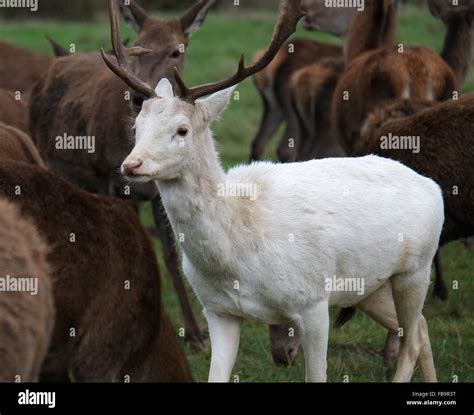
[272, 255]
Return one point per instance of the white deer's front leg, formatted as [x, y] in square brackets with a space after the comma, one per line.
[224, 331]
[314, 327]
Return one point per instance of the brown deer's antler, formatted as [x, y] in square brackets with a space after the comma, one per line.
[288, 17]
[123, 70]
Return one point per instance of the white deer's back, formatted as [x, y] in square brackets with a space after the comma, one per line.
[365, 218]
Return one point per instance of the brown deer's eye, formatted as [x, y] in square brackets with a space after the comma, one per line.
[176, 54]
[182, 132]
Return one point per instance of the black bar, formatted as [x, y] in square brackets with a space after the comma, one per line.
[447, 398]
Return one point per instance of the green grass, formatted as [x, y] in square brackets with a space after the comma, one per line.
[354, 349]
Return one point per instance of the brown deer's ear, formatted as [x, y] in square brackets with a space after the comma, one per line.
[133, 14]
[192, 20]
[58, 49]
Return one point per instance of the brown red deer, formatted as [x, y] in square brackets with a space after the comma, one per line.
[279, 83]
[457, 18]
[80, 97]
[312, 86]
[274, 85]
[381, 75]
[373, 76]
[110, 324]
[26, 298]
[311, 90]
[446, 149]
[133, 336]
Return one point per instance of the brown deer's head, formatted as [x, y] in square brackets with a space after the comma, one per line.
[328, 17]
[333, 20]
[447, 9]
[166, 39]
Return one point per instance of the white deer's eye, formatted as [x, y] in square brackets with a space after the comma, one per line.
[182, 132]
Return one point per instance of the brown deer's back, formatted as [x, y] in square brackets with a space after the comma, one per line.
[106, 279]
[20, 68]
[27, 320]
[446, 151]
[13, 112]
[382, 75]
[16, 145]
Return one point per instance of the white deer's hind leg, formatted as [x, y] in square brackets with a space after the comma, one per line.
[314, 328]
[224, 331]
[427, 366]
[380, 306]
[409, 293]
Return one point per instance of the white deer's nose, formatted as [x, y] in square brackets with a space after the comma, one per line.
[130, 167]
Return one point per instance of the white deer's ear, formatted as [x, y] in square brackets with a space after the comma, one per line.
[164, 89]
[217, 103]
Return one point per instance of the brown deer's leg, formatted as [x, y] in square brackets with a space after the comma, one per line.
[271, 119]
[192, 332]
[390, 350]
[285, 344]
[288, 147]
[305, 130]
[440, 291]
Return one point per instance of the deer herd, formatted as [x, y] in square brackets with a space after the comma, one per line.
[375, 174]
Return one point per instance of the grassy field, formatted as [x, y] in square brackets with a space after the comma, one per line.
[355, 349]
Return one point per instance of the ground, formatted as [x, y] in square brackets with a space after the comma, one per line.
[354, 350]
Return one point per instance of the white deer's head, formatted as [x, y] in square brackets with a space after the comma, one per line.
[170, 129]
[169, 132]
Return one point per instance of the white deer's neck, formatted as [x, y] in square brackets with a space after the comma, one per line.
[196, 211]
